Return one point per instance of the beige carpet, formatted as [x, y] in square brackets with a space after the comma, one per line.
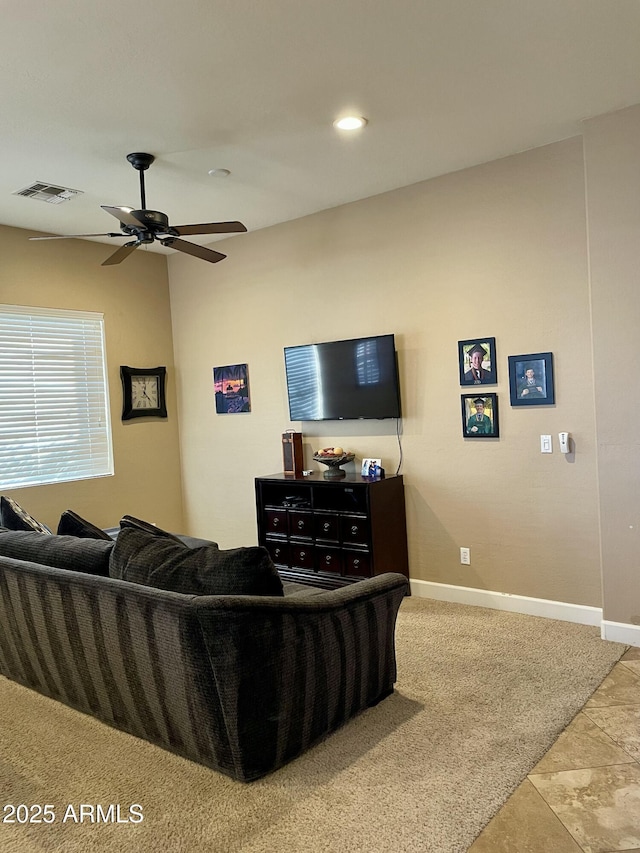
[481, 695]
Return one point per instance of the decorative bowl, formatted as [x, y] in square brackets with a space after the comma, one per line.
[333, 463]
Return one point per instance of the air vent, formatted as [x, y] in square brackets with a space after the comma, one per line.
[48, 192]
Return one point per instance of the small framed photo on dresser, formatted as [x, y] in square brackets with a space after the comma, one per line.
[371, 468]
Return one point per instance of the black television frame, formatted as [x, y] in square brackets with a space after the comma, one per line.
[395, 382]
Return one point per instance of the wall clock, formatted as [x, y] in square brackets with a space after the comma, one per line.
[143, 393]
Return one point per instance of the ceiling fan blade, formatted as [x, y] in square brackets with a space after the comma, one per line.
[123, 214]
[70, 236]
[210, 228]
[193, 249]
[120, 254]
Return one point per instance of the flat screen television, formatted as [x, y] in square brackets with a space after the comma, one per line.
[343, 380]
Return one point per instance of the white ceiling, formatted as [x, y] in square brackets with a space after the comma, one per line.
[254, 87]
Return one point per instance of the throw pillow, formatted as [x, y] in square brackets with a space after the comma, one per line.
[145, 558]
[14, 517]
[131, 521]
[64, 552]
[72, 524]
[139, 524]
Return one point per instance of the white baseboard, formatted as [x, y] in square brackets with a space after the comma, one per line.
[620, 632]
[616, 632]
[516, 604]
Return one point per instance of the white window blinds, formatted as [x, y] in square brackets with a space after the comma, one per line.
[54, 401]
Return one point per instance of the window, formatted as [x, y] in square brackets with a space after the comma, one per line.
[54, 401]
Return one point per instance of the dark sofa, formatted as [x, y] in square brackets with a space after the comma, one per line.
[240, 683]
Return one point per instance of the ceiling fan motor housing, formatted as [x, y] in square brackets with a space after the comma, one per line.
[153, 219]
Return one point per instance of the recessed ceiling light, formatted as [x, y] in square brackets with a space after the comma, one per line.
[350, 122]
[219, 173]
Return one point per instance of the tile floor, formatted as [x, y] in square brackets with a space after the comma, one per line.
[584, 795]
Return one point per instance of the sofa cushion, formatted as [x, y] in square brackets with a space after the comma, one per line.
[146, 558]
[14, 517]
[72, 524]
[64, 552]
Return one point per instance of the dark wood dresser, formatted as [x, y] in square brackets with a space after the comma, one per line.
[330, 533]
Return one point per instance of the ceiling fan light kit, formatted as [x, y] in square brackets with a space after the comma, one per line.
[146, 226]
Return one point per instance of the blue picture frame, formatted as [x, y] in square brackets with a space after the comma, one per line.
[531, 381]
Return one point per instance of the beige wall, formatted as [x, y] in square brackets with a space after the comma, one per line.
[499, 250]
[612, 145]
[134, 298]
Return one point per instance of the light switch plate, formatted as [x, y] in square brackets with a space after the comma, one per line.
[545, 444]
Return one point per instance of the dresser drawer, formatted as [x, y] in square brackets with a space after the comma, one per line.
[329, 560]
[301, 525]
[302, 556]
[357, 564]
[327, 527]
[354, 529]
[276, 522]
[278, 551]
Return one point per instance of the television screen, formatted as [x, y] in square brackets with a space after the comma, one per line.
[341, 380]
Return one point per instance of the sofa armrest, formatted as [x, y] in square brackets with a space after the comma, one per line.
[289, 671]
[325, 599]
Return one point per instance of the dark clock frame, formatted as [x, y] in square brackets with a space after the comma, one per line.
[126, 374]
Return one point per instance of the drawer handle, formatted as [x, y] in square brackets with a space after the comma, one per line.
[326, 526]
[275, 521]
[300, 524]
[354, 530]
[328, 559]
[277, 552]
[356, 563]
[303, 554]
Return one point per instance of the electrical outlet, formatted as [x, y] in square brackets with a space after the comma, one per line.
[465, 556]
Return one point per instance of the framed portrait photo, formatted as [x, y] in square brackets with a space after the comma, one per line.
[480, 415]
[531, 379]
[477, 361]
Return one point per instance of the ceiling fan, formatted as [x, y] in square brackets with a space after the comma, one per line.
[145, 226]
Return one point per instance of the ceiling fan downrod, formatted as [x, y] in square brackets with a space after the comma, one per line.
[141, 162]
